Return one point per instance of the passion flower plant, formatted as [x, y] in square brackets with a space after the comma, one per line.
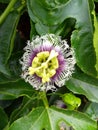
[47, 62]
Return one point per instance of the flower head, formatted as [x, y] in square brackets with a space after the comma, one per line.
[47, 62]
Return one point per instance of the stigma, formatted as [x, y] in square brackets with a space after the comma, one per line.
[44, 65]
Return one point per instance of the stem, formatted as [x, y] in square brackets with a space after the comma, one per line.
[44, 99]
[7, 11]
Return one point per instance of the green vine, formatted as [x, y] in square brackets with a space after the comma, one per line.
[7, 10]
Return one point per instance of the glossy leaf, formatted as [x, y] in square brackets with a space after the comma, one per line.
[50, 119]
[26, 107]
[63, 29]
[14, 90]
[95, 39]
[92, 110]
[81, 83]
[46, 15]
[7, 35]
[3, 119]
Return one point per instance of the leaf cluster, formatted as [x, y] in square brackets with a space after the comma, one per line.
[21, 107]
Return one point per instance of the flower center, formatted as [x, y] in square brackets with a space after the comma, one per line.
[44, 65]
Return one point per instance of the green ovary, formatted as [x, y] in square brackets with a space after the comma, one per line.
[44, 65]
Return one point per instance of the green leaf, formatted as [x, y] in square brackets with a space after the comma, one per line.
[26, 107]
[51, 118]
[49, 14]
[14, 90]
[4, 1]
[5, 78]
[5, 103]
[91, 5]
[14, 68]
[3, 119]
[81, 83]
[14, 65]
[63, 29]
[7, 35]
[92, 110]
[33, 30]
[96, 0]
[95, 40]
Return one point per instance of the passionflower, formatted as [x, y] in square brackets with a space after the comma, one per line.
[47, 62]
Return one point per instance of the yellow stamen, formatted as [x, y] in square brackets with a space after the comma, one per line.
[44, 65]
